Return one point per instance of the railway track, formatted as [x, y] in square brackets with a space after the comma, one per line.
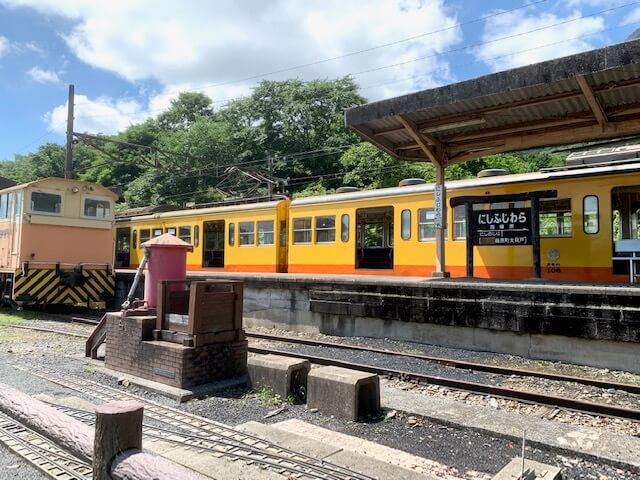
[478, 367]
[589, 408]
[203, 434]
[582, 406]
[41, 452]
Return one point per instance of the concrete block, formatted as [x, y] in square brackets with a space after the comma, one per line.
[284, 375]
[342, 392]
[532, 471]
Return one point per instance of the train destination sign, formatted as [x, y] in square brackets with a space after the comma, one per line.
[505, 226]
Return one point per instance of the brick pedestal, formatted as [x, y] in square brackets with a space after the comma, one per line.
[131, 349]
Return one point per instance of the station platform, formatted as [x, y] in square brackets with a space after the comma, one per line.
[589, 324]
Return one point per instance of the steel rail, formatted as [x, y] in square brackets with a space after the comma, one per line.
[46, 459]
[473, 387]
[300, 463]
[462, 364]
[198, 441]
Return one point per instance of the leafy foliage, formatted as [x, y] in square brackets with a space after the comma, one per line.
[192, 152]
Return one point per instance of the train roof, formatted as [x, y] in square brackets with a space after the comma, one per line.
[560, 173]
[203, 211]
[90, 186]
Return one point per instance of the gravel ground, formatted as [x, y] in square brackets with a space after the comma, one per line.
[466, 453]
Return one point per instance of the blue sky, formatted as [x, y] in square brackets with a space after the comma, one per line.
[128, 59]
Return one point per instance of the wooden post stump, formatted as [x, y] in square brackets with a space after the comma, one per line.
[118, 428]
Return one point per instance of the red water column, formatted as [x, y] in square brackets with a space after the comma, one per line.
[167, 261]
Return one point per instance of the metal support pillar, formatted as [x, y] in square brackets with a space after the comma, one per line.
[441, 231]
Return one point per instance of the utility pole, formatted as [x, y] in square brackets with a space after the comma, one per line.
[68, 164]
[269, 184]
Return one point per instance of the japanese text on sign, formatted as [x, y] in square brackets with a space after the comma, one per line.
[510, 226]
[437, 206]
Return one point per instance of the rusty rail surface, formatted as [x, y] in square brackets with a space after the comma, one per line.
[473, 387]
[205, 434]
[462, 364]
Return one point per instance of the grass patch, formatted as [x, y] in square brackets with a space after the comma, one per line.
[13, 318]
[89, 369]
[267, 397]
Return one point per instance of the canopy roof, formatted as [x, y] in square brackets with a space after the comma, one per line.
[588, 96]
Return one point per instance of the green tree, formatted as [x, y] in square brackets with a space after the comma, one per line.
[366, 166]
[185, 110]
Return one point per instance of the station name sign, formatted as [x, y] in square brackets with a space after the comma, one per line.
[507, 226]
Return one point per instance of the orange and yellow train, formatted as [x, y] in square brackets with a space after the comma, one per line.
[589, 232]
[56, 243]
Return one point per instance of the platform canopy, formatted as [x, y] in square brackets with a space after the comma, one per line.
[583, 97]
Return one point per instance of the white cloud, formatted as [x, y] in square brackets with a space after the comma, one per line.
[40, 75]
[543, 44]
[4, 45]
[633, 17]
[102, 115]
[209, 43]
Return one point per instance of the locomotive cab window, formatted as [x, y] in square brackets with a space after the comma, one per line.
[555, 217]
[326, 229]
[96, 208]
[45, 202]
[590, 214]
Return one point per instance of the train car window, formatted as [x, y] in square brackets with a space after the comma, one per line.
[156, 232]
[302, 230]
[326, 229]
[459, 223]
[145, 235]
[555, 217]
[171, 231]
[344, 227]
[405, 224]
[196, 235]
[590, 215]
[44, 202]
[426, 224]
[97, 208]
[390, 233]
[232, 234]
[134, 239]
[283, 233]
[247, 233]
[265, 232]
[184, 234]
[4, 203]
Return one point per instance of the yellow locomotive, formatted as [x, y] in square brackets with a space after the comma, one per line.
[56, 243]
[589, 231]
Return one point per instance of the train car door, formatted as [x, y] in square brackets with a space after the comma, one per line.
[374, 238]
[123, 247]
[213, 244]
[625, 220]
[282, 247]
